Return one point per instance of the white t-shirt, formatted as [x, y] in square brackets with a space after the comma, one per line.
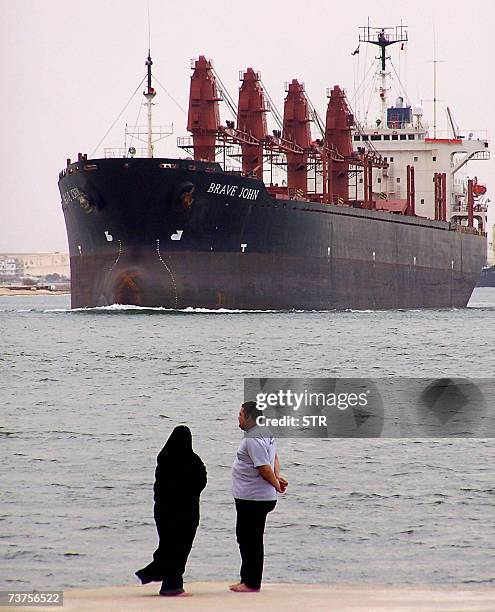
[247, 482]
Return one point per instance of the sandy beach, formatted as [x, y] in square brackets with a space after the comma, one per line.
[5, 291]
[215, 597]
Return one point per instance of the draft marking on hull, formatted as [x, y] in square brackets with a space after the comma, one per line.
[168, 270]
[117, 258]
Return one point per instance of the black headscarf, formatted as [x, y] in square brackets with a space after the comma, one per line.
[180, 474]
[178, 445]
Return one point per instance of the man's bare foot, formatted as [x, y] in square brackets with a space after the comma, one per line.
[242, 588]
[234, 585]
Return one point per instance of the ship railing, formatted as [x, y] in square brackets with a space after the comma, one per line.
[110, 153]
[158, 133]
[232, 168]
[233, 151]
[301, 84]
[464, 229]
[194, 60]
[481, 155]
[462, 208]
[461, 134]
[256, 72]
[185, 141]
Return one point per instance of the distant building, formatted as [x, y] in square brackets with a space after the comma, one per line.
[11, 266]
[36, 264]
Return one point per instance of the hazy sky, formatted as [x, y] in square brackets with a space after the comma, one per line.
[68, 68]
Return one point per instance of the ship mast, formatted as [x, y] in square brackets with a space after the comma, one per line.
[149, 94]
[383, 37]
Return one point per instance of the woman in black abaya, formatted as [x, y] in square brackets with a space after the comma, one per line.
[180, 477]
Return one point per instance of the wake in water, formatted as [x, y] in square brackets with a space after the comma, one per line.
[130, 308]
[482, 299]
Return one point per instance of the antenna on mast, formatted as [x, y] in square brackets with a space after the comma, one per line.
[435, 61]
[149, 133]
[149, 26]
[383, 37]
[434, 83]
[149, 93]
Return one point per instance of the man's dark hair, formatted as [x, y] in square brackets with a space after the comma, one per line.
[251, 409]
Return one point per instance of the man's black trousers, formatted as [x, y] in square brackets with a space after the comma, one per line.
[250, 527]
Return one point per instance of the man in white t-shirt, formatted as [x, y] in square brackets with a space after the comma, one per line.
[256, 481]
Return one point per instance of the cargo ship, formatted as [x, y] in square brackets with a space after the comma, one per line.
[364, 218]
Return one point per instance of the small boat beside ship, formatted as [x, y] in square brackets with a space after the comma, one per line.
[367, 217]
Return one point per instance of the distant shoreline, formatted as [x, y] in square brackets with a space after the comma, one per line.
[4, 291]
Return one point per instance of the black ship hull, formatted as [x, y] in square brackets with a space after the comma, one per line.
[182, 233]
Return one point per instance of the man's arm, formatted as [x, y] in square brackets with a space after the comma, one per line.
[283, 483]
[259, 456]
[268, 474]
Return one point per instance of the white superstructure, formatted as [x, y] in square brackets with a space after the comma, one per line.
[402, 137]
[412, 145]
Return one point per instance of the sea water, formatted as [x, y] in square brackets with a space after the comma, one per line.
[89, 397]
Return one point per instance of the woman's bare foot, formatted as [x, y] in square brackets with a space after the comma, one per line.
[173, 592]
[242, 588]
[234, 585]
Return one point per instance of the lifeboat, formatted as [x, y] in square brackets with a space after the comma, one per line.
[478, 188]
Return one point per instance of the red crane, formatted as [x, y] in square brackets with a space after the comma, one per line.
[339, 122]
[251, 119]
[333, 156]
[203, 120]
[296, 129]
